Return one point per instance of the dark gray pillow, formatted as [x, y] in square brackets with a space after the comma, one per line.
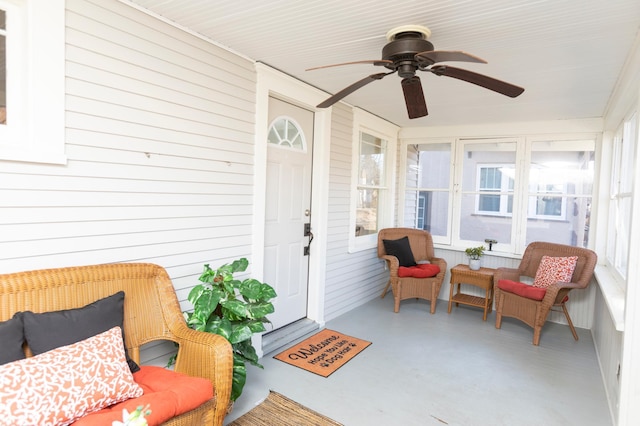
[401, 249]
[50, 330]
[12, 338]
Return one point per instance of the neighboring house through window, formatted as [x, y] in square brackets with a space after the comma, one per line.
[495, 189]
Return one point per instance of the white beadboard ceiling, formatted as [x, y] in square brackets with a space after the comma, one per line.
[567, 54]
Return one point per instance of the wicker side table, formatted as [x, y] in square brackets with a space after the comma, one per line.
[483, 278]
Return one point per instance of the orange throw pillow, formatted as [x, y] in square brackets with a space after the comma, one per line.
[61, 385]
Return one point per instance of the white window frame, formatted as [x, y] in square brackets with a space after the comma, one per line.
[35, 82]
[521, 213]
[621, 190]
[372, 125]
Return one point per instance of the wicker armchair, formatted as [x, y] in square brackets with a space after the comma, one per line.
[151, 312]
[409, 287]
[534, 312]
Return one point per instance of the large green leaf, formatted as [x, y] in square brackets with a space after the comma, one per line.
[221, 326]
[235, 307]
[195, 293]
[260, 309]
[207, 301]
[246, 350]
[239, 376]
[239, 333]
[268, 292]
[240, 265]
[251, 289]
[256, 326]
[195, 322]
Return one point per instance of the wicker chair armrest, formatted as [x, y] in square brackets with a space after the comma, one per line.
[392, 262]
[208, 356]
[557, 291]
[506, 274]
[442, 264]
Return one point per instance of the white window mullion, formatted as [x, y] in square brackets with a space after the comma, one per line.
[520, 203]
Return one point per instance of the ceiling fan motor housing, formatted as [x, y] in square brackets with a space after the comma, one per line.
[402, 51]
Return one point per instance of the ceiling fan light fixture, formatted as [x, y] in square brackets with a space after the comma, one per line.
[424, 32]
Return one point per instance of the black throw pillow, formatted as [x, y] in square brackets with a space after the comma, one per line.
[401, 249]
[12, 338]
[50, 330]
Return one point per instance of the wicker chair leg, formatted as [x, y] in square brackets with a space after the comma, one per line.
[536, 335]
[386, 290]
[499, 311]
[566, 314]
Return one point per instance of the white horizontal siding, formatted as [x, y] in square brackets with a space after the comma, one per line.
[160, 147]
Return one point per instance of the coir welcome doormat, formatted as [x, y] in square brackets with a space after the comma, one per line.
[324, 352]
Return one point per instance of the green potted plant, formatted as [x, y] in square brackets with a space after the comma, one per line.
[233, 309]
[474, 253]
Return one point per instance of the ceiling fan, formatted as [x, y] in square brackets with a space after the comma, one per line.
[409, 51]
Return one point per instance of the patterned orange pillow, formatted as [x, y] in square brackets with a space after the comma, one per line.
[554, 269]
[61, 385]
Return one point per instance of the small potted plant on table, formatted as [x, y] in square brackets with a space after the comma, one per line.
[474, 253]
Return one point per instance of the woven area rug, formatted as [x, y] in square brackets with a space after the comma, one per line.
[324, 352]
[280, 410]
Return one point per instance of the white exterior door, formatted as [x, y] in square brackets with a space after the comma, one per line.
[288, 209]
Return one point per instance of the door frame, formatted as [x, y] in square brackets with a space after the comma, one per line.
[271, 82]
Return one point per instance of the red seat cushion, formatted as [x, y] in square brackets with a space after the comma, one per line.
[167, 393]
[522, 289]
[424, 270]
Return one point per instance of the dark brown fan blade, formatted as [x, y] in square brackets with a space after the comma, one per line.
[490, 83]
[414, 97]
[377, 62]
[350, 89]
[434, 56]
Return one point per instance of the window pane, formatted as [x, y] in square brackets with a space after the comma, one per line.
[488, 176]
[427, 183]
[478, 227]
[435, 216]
[367, 212]
[371, 183]
[560, 188]
[371, 160]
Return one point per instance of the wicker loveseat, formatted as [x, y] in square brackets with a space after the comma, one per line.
[151, 312]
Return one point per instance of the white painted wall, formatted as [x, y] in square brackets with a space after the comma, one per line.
[160, 148]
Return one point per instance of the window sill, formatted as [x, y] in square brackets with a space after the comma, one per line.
[8, 154]
[613, 295]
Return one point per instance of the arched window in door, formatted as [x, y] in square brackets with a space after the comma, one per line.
[286, 133]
